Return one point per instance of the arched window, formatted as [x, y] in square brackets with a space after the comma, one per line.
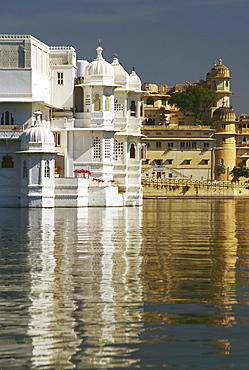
[107, 104]
[132, 151]
[97, 104]
[7, 162]
[133, 108]
[47, 169]
[150, 101]
[7, 118]
[25, 169]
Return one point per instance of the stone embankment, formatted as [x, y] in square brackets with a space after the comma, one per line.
[193, 188]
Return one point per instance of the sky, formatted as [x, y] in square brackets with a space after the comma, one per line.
[166, 41]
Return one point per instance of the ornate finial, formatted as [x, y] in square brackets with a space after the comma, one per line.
[38, 118]
[99, 52]
[99, 44]
[220, 61]
[115, 55]
[215, 64]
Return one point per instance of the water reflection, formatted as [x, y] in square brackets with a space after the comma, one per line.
[196, 256]
[125, 287]
[85, 291]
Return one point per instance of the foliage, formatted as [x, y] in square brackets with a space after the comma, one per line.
[240, 171]
[195, 101]
[220, 169]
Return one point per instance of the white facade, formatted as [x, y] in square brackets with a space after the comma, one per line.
[58, 116]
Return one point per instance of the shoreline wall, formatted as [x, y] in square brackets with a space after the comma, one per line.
[193, 188]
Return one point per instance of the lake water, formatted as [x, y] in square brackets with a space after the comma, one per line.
[163, 285]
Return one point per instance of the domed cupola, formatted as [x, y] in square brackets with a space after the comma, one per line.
[224, 114]
[121, 77]
[99, 70]
[38, 137]
[134, 81]
[218, 71]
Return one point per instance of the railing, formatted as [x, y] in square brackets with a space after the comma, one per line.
[11, 128]
[184, 182]
[171, 128]
[15, 36]
[243, 145]
[59, 48]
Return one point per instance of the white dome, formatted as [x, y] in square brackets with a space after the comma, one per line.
[99, 67]
[38, 134]
[121, 77]
[134, 81]
[37, 137]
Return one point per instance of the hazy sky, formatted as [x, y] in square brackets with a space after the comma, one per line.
[167, 41]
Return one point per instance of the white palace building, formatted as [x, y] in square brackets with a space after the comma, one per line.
[69, 130]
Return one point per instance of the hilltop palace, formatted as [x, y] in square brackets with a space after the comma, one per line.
[69, 130]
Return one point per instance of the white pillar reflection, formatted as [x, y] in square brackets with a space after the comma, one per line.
[51, 324]
[109, 289]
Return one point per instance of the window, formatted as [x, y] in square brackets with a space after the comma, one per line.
[7, 118]
[7, 162]
[88, 99]
[194, 144]
[205, 161]
[57, 139]
[118, 106]
[206, 145]
[158, 162]
[169, 161]
[182, 144]
[150, 101]
[223, 139]
[46, 169]
[96, 148]
[132, 151]
[118, 149]
[188, 144]
[108, 104]
[181, 123]
[244, 139]
[97, 104]
[148, 145]
[25, 169]
[170, 145]
[187, 161]
[223, 126]
[60, 78]
[107, 152]
[163, 101]
[133, 108]
[158, 144]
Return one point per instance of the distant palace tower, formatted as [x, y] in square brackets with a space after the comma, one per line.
[218, 80]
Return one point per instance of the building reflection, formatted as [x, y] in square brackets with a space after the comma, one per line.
[109, 292]
[86, 296]
[51, 325]
[194, 264]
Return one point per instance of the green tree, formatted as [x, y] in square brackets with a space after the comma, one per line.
[220, 169]
[195, 101]
[240, 171]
